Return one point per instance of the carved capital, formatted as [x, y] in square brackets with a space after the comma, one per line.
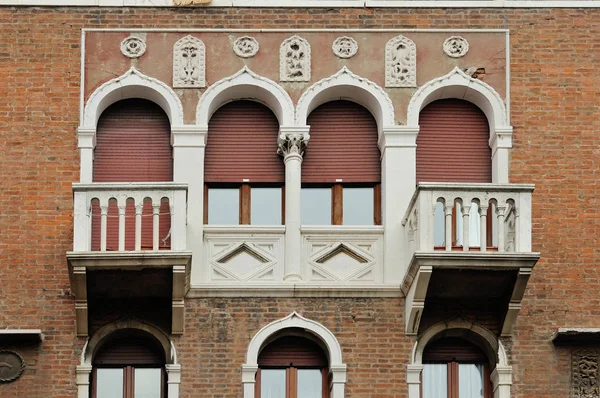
[292, 141]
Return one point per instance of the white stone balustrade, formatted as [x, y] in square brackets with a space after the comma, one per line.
[104, 193]
[433, 212]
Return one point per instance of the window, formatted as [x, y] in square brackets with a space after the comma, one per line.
[292, 367]
[341, 170]
[244, 176]
[129, 366]
[455, 368]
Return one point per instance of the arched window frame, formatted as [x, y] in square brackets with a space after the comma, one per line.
[501, 375]
[95, 342]
[337, 369]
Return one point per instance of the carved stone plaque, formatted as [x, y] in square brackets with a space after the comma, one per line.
[189, 63]
[294, 60]
[12, 366]
[456, 46]
[584, 383]
[345, 47]
[245, 47]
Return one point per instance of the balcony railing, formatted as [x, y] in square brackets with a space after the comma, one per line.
[461, 216]
[129, 216]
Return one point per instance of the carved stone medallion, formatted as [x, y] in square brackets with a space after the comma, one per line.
[133, 47]
[294, 60]
[12, 366]
[189, 63]
[345, 47]
[400, 62]
[456, 46]
[245, 46]
[584, 383]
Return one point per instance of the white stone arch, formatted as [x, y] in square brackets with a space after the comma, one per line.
[132, 84]
[246, 84]
[346, 85]
[493, 348]
[95, 342]
[457, 84]
[337, 369]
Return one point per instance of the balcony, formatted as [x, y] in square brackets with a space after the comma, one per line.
[468, 243]
[129, 243]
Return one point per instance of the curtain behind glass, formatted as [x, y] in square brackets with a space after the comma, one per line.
[272, 383]
[470, 380]
[435, 380]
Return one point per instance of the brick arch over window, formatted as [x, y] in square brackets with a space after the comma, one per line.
[453, 143]
[291, 323]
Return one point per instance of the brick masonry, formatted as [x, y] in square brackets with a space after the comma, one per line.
[555, 102]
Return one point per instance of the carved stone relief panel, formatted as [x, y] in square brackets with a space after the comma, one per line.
[345, 47]
[12, 366]
[133, 47]
[294, 60]
[189, 63]
[245, 46]
[456, 46]
[584, 383]
[400, 62]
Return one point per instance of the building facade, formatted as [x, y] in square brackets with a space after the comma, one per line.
[299, 199]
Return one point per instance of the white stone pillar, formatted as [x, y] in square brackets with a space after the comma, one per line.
[83, 381]
[413, 379]
[173, 380]
[292, 142]
[86, 142]
[398, 179]
[501, 381]
[188, 167]
[500, 143]
[249, 379]
[338, 381]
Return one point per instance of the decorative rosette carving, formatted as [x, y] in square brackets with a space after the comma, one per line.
[456, 46]
[345, 47]
[245, 47]
[133, 47]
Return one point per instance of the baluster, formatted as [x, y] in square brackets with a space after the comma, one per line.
[103, 226]
[466, 211]
[122, 207]
[483, 219]
[174, 234]
[155, 214]
[500, 214]
[139, 208]
[448, 212]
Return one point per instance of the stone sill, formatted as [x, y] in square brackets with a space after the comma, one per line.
[293, 290]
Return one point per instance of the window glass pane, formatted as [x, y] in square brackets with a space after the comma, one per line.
[147, 383]
[470, 380]
[310, 383]
[265, 206]
[435, 380]
[224, 206]
[358, 206]
[439, 225]
[272, 383]
[315, 205]
[109, 383]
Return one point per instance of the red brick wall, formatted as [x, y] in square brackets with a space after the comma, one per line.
[555, 102]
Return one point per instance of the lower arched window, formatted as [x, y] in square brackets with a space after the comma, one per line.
[292, 367]
[129, 365]
[455, 368]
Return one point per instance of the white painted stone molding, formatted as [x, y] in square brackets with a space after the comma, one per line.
[294, 60]
[245, 46]
[189, 63]
[133, 46]
[344, 47]
[456, 46]
[337, 369]
[93, 344]
[400, 62]
[345, 84]
[248, 85]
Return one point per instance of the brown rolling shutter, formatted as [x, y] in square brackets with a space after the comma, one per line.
[130, 350]
[132, 145]
[453, 349]
[292, 351]
[453, 143]
[242, 144]
[343, 145]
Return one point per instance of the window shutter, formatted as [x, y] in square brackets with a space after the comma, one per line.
[242, 144]
[129, 350]
[292, 350]
[453, 143]
[453, 349]
[132, 145]
[343, 145]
